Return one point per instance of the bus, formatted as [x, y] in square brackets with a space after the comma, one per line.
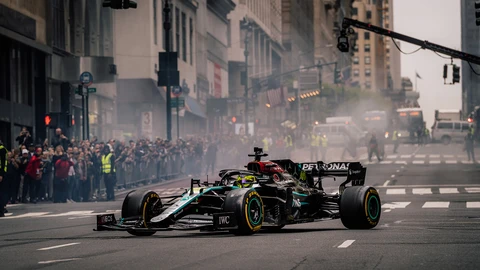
[375, 120]
[408, 122]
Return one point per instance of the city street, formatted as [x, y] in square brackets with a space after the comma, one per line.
[430, 220]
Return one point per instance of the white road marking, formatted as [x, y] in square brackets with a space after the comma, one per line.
[386, 162]
[436, 205]
[37, 214]
[434, 156]
[13, 205]
[406, 156]
[392, 156]
[472, 190]
[392, 176]
[395, 205]
[386, 183]
[59, 246]
[434, 162]
[421, 191]
[398, 221]
[451, 162]
[388, 210]
[473, 204]
[418, 161]
[397, 191]
[401, 162]
[448, 190]
[78, 217]
[448, 156]
[467, 162]
[462, 156]
[398, 170]
[420, 156]
[346, 244]
[55, 261]
[71, 213]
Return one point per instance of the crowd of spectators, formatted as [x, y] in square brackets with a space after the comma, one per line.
[71, 171]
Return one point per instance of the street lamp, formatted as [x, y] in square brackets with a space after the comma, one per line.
[247, 26]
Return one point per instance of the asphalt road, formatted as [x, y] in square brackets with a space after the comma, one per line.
[430, 220]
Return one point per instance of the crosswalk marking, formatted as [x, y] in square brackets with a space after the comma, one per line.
[434, 156]
[448, 190]
[401, 162]
[420, 156]
[392, 156]
[37, 214]
[472, 189]
[396, 191]
[418, 162]
[386, 162]
[394, 205]
[421, 191]
[71, 213]
[473, 204]
[448, 156]
[406, 156]
[451, 161]
[434, 162]
[436, 205]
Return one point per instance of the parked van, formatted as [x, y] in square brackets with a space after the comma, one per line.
[335, 133]
[449, 131]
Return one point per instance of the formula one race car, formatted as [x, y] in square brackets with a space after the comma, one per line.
[268, 195]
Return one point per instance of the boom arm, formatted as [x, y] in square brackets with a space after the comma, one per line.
[347, 22]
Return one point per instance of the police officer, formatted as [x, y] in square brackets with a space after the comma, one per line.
[395, 141]
[427, 135]
[469, 146]
[373, 147]
[3, 182]
[288, 144]
[314, 144]
[108, 171]
[324, 146]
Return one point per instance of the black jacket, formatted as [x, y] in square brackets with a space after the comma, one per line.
[3, 161]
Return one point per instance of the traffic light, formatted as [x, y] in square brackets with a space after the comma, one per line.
[119, 4]
[456, 74]
[477, 13]
[236, 119]
[445, 68]
[338, 76]
[51, 120]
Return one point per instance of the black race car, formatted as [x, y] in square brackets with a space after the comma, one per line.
[267, 195]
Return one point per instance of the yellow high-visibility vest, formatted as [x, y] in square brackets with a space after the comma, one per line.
[314, 141]
[288, 140]
[106, 164]
[394, 138]
[265, 144]
[324, 141]
[6, 157]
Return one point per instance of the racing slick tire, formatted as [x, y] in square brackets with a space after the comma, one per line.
[360, 207]
[139, 203]
[248, 208]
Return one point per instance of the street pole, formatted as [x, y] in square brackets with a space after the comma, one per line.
[87, 119]
[167, 26]
[83, 115]
[178, 119]
[246, 82]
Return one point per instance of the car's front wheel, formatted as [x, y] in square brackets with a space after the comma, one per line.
[248, 208]
[141, 204]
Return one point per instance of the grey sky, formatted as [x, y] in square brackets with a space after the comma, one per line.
[439, 22]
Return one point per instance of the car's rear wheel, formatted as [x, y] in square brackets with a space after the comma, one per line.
[360, 207]
[248, 208]
[144, 205]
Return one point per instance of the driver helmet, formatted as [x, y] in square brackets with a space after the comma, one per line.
[245, 181]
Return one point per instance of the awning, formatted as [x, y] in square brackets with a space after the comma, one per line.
[138, 91]
[193, 107]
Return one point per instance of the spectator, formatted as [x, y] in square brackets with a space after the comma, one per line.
[33, 176]
[60, 139]
[24, 138]
[60, 182]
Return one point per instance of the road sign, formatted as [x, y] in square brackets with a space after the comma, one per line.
[181, 102]
[86, 78]
[90, 90]
[177, 91]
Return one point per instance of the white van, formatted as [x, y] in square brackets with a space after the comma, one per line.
[450, 131]
[335, 133]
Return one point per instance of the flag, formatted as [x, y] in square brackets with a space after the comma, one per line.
[275, 97]
[418, 76]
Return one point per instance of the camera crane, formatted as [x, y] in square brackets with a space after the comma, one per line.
[347, 29]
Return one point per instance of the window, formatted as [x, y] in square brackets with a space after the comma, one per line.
[155, 22]
[465, 126]
[191, 41]
[355, 60]
[369, 14]
[368, 85]
[356, 72]
[184, 37]
[355, 48]
[367, 36]
[388, 50]
[388, 58]
[443, 125]
[354, 11]
[367, 59]
[177, 30]
[58, 24]
[367, 47]
[368, 72]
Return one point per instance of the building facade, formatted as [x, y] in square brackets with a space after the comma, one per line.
[369, 61]
[470, 36]
[392, 54]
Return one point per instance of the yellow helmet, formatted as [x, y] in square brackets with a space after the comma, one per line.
[245, 181]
